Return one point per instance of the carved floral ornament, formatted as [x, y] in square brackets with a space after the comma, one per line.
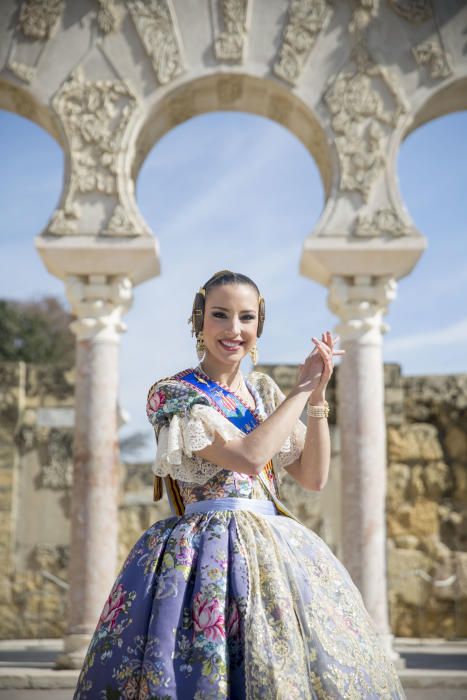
[361, 120]
[364, 11]
[230, 44]
[57, 470]
[94, 116]
[157, 28]
[22, 70]
[412, 10]
[432, 55]
[382, 222]
[38, 18]
[108, 19]
[306, 19]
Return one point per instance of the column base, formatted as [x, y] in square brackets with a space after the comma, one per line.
[74, 651]
[387, 640]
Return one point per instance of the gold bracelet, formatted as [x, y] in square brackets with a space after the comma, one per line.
[318, 411]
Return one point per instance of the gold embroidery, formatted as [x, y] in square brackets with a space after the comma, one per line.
[308, 634]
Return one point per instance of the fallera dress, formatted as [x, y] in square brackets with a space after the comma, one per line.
[231, 596]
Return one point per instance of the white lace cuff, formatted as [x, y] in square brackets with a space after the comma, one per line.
[188, 433]
[293, 446]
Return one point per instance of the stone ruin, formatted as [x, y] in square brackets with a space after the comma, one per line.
[426, 499]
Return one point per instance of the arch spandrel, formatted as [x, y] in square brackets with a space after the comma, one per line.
[346, 94]
[372, 103]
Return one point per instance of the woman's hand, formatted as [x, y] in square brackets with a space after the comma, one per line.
[315, 373]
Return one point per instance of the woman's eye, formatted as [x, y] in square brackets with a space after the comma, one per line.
[219, 314]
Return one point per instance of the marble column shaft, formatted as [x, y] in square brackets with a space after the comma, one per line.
[363, 454]
[360, 301]
[98, 303]
[93, 554]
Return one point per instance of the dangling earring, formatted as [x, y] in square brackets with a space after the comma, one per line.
[200, 346]
[254, 353]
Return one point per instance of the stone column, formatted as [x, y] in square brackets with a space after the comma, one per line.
[360, 301]
[98, 302]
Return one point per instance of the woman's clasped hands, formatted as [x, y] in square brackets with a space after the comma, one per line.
[315, 372]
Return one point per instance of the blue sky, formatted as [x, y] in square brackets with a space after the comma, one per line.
[232, 190]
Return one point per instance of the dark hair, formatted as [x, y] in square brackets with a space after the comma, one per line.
[221, 278]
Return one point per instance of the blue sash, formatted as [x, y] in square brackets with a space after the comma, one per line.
[238, 413]
[226, 403]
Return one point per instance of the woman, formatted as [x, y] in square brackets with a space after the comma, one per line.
[232, 597]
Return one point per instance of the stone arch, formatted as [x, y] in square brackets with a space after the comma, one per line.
[18, 100]
[234, 92]
[445, 99]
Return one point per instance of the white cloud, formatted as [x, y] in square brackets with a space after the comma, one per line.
[450, 335]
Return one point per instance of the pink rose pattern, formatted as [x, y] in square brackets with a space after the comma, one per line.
[155, 402]
[114, 604]
[208, 618]
[150, 596]
[194, 589]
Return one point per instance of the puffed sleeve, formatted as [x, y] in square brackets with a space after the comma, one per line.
[184, 421]
[273, 396]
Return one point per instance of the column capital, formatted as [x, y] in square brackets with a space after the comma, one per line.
[360, 301]
[99, 302]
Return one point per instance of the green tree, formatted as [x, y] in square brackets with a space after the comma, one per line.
[36, 331]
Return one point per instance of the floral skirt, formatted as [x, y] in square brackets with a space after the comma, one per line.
[238, 604]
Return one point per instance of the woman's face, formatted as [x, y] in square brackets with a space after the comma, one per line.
[231, 313]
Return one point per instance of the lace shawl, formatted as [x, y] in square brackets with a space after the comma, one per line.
[184, 421]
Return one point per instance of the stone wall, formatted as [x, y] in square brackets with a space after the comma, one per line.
[426, 499]
[427, 504]
[36, 434]
[36, 418]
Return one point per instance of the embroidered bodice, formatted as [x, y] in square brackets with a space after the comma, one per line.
[184, 421]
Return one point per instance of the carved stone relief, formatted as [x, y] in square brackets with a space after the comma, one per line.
[51, 557]
[412, 10]
[305, 21]
[37, 21]
[22, 70]
[120, 223]
[108, 18]
[364, 11]
[360, 119]
[39, 18]
[25, 438]
[57, 471]
[156, 25]
[230, 44]
[94, 116]
[432, 55]
[383, 221]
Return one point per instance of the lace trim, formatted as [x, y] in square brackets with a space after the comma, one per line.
[293, 446]
[273, 396]
[191, 431]
[185, 434]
